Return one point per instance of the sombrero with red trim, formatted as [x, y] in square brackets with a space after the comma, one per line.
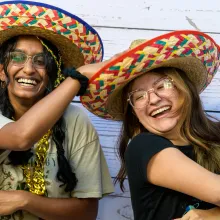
[76, 40]
[194, 52]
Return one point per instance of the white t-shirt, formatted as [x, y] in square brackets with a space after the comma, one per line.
[82, 150]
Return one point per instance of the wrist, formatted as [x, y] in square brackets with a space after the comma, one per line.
[75, 80]
[83, 80]
[24, 198]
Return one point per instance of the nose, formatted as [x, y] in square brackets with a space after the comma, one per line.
[153, 98]
[28, 67]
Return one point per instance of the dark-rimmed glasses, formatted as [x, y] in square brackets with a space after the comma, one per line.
[139, 98]
[19, 58]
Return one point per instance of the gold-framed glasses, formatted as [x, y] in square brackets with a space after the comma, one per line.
[163, 88]
[19, 58]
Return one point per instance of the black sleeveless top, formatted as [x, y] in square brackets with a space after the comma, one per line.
[151, 202]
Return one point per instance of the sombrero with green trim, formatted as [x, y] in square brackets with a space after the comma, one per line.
[76, 40]
[194, 52]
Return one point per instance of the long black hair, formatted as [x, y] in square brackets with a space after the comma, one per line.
[17, 158]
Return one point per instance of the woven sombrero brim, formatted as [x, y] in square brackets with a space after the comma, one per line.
[191, 51]
[70, 53]
[77, 41]
[193, 67]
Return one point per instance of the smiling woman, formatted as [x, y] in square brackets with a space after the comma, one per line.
[159, 114]
[27, 78]
[168, 145]
[51, 162]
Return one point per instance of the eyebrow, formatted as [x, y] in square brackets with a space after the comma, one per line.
[19, 50]
[154, 83]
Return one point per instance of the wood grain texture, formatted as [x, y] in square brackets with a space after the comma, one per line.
[146, 14]
[115, 208]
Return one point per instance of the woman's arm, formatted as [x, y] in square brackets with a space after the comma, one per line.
[170, 168]
[210, 214]
[48, 208]
[26, 131]
[23, 133]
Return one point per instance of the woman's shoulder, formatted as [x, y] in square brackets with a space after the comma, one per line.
[79, 129]
[150, 143]
[77, 119]
[149, 138]
[74, 112]
[147, 142]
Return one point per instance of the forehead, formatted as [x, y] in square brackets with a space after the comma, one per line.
[29, 43]
[146, 80]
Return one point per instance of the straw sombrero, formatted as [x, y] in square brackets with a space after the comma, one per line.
[77, 41]
[193, 52]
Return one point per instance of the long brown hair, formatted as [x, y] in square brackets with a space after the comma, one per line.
[196, 125]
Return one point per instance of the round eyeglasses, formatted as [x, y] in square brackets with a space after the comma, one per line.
[140, 98]
[20, 59]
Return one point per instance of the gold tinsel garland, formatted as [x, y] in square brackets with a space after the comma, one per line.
[35, 174]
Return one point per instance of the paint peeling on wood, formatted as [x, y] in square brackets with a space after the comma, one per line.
[192, 23]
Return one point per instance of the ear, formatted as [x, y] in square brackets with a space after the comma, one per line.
[2, 74]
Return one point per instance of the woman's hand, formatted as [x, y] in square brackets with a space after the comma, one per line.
[198, 214]
[90, 70]
[10, 201]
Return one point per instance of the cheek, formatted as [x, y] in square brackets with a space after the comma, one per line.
[12, 71]
[144, 119]
[141, 114]
[177, 100]
[44, 77]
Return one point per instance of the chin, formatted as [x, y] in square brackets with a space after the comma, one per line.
[162, 126]
[29, 96]
[26, 95]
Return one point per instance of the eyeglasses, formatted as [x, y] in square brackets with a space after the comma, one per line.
[140, 98]
[20, 59]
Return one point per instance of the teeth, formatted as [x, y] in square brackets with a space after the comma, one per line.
[28, 81]
[159, 110]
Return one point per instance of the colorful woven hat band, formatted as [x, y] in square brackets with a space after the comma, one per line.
[195, 53]
[77, 41]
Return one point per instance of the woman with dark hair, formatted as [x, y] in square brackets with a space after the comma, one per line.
[169, 148]
[51, 162]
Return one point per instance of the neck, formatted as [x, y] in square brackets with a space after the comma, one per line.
[176, 138]
[21, 106]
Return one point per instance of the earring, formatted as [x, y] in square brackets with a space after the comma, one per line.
[2, 84]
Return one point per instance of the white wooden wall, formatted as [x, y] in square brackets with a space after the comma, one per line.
[118, 23]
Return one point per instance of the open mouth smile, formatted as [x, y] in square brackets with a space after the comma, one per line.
[27, 82]
[161, 111]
